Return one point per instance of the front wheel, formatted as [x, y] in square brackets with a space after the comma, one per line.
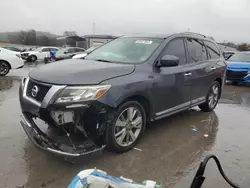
[126, 127]
[4, 68]
[213, 97]
[32, 58]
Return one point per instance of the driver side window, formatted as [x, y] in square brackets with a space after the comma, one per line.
[176, 47]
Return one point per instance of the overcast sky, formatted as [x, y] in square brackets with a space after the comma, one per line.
[223, 19]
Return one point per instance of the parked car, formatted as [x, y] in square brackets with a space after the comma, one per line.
[9, 60]
[65, 53]
[238, 69]
[110, 96]
[37, 54]
[15, 49]
[86, 52]
[228, 54]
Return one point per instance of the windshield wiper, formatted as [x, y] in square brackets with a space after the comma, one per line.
[103, 60]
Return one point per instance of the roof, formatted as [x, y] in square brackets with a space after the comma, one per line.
[164, 36]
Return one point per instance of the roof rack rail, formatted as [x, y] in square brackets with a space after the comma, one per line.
[192, 33]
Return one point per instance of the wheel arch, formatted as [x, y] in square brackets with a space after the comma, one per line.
[220, 82]
[144, 101]
[6, 62]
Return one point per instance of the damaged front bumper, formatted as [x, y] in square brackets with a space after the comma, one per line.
[42, 141]
[32, 109]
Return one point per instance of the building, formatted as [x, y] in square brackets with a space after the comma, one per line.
[85, 42]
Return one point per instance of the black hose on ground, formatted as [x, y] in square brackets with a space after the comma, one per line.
[199, 178]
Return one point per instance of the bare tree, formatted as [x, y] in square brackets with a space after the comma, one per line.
[69, 33]
[243, 47]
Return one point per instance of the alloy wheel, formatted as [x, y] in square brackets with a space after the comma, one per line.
[128, 126]
[213, 96]
[4, 68]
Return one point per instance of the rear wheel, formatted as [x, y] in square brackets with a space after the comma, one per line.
[4, 68]
[126, 127]
[213, 97]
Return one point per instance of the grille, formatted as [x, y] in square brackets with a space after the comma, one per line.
[236, 75]
[42, 90]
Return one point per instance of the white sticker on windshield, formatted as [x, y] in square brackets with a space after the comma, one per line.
[144, 41]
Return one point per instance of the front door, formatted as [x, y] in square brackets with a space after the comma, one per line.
[172, 86]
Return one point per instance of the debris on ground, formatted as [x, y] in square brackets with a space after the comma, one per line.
[137, 149]
[193, 128]
[95, 178]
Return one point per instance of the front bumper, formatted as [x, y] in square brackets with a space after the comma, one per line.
[42, 141]
[236, 75]
[32, 109]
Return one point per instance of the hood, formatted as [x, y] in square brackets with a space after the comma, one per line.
[29, 52]
[238, 66]
[79, 56]
[79, 72]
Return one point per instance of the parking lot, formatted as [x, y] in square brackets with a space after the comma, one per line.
[169, 152]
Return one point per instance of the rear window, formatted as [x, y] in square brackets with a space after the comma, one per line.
[240, 57]
[212, 49]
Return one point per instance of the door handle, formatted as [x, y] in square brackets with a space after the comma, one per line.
[213, 68]
[188, 74]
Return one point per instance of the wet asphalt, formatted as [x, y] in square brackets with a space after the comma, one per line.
[169, 152]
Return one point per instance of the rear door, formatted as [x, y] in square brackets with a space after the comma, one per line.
[201, 74]
[172, 87]
[44, 53]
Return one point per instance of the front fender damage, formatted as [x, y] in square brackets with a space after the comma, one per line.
[72, 132]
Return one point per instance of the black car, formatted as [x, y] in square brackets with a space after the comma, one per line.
[107, 98]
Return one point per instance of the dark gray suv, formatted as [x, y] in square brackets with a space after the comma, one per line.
[107, 98]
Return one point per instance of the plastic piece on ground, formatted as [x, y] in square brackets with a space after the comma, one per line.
[94, 178]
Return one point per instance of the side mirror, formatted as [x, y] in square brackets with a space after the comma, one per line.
[169, 61]
[40, 51]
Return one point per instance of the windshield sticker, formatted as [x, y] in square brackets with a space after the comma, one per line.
[144, 41]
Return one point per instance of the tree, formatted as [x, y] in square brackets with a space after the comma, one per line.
[69, 33]
[243, 47]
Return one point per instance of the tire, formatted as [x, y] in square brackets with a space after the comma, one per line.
[4, 68]
[32, 58]
[212, 95]
[118, 135]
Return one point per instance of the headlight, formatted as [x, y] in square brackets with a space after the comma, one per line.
[82, 93]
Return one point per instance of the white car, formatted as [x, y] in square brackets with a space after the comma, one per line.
[9, 60]
[38, 54]
[68, 52]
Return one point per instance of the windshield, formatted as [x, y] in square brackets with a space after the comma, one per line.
[90, 49]
[240, 57]
[126, 50]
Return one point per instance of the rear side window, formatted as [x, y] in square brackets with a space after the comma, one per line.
[54, 49]
[212, 50]
[45, 50]
[196, 50]
[176, 47]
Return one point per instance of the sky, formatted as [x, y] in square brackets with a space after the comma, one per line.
[225, 20]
